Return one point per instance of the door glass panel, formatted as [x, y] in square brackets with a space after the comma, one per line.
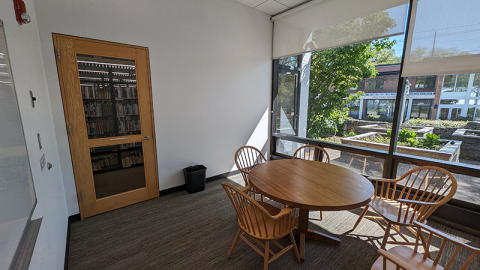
[117, 169]
[443, 113]
[110, 98]
[286, 103]
[456, 113]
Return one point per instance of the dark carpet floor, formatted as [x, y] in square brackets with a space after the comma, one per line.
[195, 231]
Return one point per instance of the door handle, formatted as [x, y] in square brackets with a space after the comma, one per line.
[146, 138]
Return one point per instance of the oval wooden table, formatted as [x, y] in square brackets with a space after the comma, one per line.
[311, 185]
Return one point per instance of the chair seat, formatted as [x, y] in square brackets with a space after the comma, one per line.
[259, 224]
[407, 255]
[388, 209]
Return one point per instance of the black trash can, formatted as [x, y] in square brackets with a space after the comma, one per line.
[195, 178]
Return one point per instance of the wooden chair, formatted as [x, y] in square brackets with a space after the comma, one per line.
[313, 153]
[424, 190]
[363, 159]
[246, 158]
[261, 222]
[402, 257]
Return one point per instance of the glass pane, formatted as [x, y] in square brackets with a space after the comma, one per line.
[291, 61]
[421, 108]
[286, 103]
[110, 97]
[475, 92]
[365, 165]
[17, 196]
[468, 189]
[443, 113]
[462, 82]
[449, 83]
[287, 147]
[117, 169]
[477, 114]
[456, 112]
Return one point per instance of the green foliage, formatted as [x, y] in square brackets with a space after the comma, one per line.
[386, 56]
[462, 118]
[349, 134]
[372, 117]
[436, 123]
[431, 140]
[334, 71]
[404, 135]
[408, 138]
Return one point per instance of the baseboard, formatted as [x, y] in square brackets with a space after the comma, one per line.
[71, 219]
[209, 179]
[220, 176]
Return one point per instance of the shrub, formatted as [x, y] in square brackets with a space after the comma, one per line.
[373, 117]
[436, 123]
[405, 135]
[431, 140]
[349, 134]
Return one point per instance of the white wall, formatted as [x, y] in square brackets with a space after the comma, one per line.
[28, 73]
[210, 68]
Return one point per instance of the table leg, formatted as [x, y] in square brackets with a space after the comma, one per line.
[304, 232]
[302, 247]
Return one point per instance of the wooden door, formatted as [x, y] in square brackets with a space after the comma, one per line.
[107, 100]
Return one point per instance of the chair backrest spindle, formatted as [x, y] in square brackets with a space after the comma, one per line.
[246, 158]
[312, 152]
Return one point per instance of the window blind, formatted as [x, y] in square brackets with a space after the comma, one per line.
[335, 23]
[444, 38]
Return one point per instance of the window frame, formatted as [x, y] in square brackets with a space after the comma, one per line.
[391, 158]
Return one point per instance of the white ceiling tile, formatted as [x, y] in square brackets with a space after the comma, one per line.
[292, 3]
[271, 7]
[251, 3]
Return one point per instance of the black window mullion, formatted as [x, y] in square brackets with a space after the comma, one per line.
[389, 169]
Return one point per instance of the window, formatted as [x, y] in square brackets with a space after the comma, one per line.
[475, 91]
[421, 108]
[452, 101]
[477, 115]
[456, 113]
[443, 113]
[380, 109]
[291, 61]
[361, 86]
[455, 83]
[376, 84]
[354, 109]
[449, 83]
[425, 82]
[470, 113]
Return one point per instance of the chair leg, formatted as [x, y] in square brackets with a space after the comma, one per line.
[364, 164]
[385, 237]
[321, 215]
[234, 243]
[265, 257]
[350, 164]
[361, 216]
[295, 247]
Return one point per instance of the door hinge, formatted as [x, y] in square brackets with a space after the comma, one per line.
[58, 53]
[79, 196]
[70, 130]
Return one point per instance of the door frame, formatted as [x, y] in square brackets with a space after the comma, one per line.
[79, 185]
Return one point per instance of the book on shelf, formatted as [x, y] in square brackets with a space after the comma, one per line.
[95, 92]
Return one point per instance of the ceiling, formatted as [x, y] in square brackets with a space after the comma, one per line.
[272, 7]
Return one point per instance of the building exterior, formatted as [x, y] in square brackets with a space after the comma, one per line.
[454, 96]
